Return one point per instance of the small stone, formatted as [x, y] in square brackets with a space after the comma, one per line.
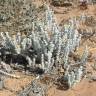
[94, 78]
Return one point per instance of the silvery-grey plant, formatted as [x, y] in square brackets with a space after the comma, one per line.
[72, 78]
[59, 48]
[34, 62]
[69, 80]
[18, 37]
[84, 56]
[49, 54]
[66, 53]
[42, 61]
[29, 61]
[79, 74]
[47, 43]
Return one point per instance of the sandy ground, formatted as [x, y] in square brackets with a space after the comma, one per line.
[13, 85]
[82, 89]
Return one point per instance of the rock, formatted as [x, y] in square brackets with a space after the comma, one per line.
[94, 78]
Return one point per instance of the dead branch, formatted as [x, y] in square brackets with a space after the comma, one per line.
[11, 75]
